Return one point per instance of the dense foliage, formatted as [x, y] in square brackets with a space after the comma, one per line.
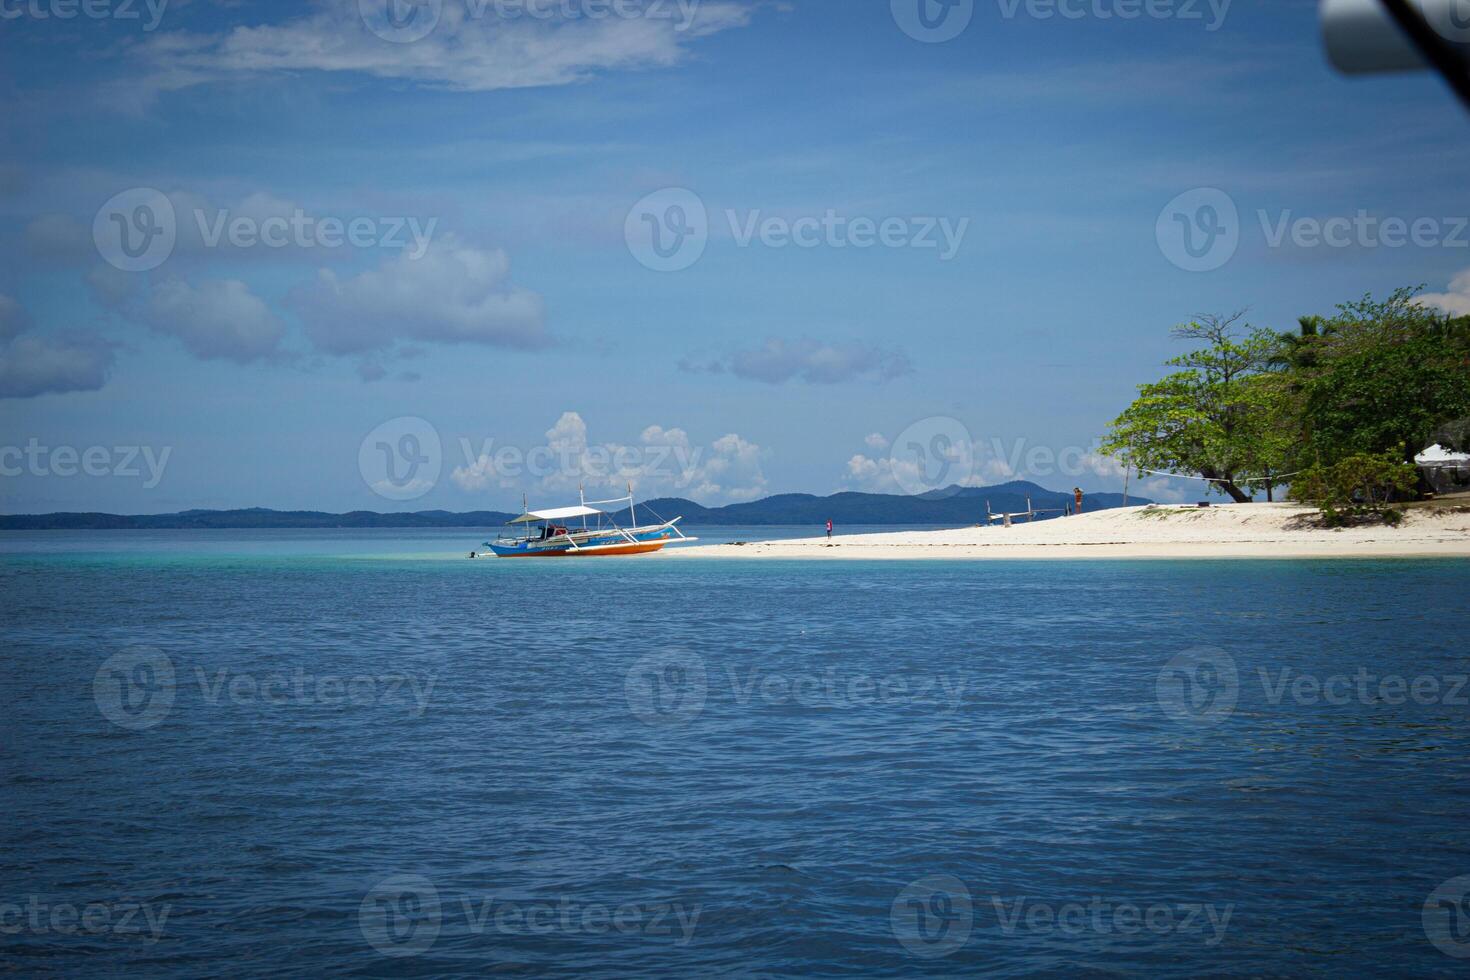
[1338, 406]
[1356, 487]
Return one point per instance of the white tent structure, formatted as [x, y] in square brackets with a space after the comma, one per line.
[1447, 472]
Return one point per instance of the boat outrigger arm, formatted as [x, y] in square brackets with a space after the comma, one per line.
[606, 538]
[1030, 513]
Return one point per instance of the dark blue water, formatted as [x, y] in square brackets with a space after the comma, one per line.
[238, 763]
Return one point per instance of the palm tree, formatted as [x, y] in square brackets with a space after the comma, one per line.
[1299, 350]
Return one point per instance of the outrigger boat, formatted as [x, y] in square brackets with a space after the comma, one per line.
[554, 538]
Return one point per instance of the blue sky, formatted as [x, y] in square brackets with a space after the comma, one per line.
[505, 173]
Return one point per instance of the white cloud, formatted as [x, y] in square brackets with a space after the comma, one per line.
[734, 470]
[877, 440]
[973, 463]
[966, 463]
[463, 51]
[1107, 467]
[111, 287]
[216, 319]
[453, 294]
[58, 236]
[13, 318]
[815, 362]
[31, 365]
[662, 462]
[1456, 302]
[1159, 488]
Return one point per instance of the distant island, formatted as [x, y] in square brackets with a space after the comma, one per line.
[953, 505]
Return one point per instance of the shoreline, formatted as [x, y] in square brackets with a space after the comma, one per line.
[1152, 531]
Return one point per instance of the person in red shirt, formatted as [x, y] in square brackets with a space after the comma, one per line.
[829, 530]
[1077, 495]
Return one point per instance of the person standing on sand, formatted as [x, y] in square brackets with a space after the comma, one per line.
[829, 529]
[1077, 496]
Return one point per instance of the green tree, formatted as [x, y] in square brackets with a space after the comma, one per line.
[1388, 375]
[1221, 416]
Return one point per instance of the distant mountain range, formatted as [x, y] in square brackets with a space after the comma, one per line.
[953, 505]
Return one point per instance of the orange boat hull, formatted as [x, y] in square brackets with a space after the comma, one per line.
[641, 548]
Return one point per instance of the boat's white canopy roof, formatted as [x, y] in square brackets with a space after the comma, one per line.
[556, 514]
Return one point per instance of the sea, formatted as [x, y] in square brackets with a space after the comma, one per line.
[358, 753]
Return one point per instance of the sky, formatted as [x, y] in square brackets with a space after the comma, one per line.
[420, 254]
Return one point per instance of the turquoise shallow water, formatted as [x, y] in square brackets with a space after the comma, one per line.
[260, 753]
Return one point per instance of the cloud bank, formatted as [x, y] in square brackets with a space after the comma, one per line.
[778, 361]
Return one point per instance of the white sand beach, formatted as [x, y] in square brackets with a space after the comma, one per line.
[1260, 530]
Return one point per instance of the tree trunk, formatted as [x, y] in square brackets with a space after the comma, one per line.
[1225, 483]
[1236, 494]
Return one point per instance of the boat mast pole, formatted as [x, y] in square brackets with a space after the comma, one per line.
[631, 515]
